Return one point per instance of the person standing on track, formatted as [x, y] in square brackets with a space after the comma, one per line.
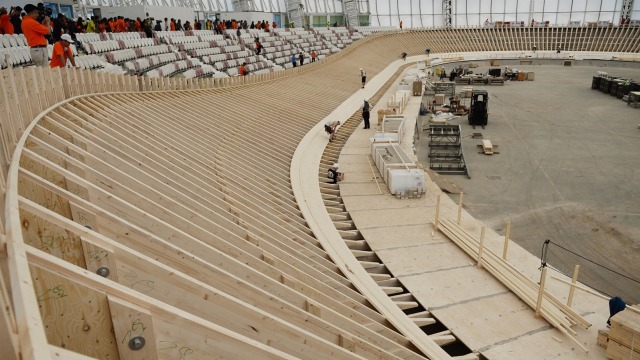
[366, 113]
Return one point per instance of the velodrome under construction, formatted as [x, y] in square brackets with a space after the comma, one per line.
[174, 218]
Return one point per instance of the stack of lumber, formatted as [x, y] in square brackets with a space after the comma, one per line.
[553, 310]
[624, 336]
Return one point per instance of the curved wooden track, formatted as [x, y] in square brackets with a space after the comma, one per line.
[170, 216]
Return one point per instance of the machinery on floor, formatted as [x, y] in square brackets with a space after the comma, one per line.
[478, 110]
[445, 150]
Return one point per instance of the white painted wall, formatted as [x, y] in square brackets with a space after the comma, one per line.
[178, 13]
[130, 12]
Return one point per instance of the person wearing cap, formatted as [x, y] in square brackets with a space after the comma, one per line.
[363, 75]
[35, 33]
[334, 175]
[62, 52]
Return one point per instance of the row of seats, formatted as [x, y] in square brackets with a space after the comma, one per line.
[89, 62]
[20, 56]
[144, 64]
[15, 40]
[205, 45]
[271, 46]
[216, 50]
[255, 32]
[204, 35]
[97, 47]
[174, 67]
[119, 56]
[260, 65]
[93, 37]
[226, 64]
[182, 40]
[202, 71]
[368, 30]
[211, 37]
[262, 36]
[226, 56]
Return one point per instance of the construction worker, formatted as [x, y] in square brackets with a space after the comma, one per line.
[62, 52]
[35, 33]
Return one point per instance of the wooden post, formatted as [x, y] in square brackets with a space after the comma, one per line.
[460, 207]
[437, 218]
[506, 241]
[543, 277]
[481, 248]
[574, 279]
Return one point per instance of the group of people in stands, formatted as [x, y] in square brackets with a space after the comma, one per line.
[220, 26]
[11, 23]
[36, 25]
[40, 30]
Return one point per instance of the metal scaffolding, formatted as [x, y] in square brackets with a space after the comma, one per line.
[295, 12]
[627, 7]
[446, 10]
[351, 10]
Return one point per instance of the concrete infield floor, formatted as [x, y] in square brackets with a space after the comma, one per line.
[568, 170]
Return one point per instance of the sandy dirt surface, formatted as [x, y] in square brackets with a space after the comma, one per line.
[568, 171]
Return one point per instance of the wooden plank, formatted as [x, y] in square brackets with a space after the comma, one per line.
[8, 331]
[603, 338]
[177, 329]
[86, 328]
[625, 329]
[51, 239]
[64, 354]
[133, 328]
[617, 351]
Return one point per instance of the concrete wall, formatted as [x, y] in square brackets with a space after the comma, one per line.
[178, 13]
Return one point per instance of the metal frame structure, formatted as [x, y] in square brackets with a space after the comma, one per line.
[627, 7]
[446, 10]
[421, 13]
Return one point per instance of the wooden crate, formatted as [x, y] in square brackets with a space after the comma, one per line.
[624, 336]
[603, 338]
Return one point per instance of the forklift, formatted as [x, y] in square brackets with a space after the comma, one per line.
[478, 108]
